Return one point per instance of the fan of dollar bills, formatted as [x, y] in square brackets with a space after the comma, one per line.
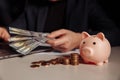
[24, 41]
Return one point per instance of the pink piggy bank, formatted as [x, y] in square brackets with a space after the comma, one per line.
[95, 49]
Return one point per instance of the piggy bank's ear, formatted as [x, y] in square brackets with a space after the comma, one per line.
[100, 35]
[85, 35]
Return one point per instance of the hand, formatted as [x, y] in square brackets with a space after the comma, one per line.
[64, 40]
[4, 34]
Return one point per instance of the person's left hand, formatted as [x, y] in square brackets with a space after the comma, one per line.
[4, 34]
[64, 40]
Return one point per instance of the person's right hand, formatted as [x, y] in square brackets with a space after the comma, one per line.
[4, 34]
[64, 40]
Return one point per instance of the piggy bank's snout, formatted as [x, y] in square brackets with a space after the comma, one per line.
[87, 51]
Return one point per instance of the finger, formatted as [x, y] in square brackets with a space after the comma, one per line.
[5, 36]
[59, 49]
[66, 47]
[57, 42]
[62, 48]
[2, 35]
[57, 33]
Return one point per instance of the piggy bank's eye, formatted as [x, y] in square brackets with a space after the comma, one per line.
[84, 42]
[94, 43]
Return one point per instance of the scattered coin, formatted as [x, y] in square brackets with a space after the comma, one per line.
[72, 59]
[34, 66]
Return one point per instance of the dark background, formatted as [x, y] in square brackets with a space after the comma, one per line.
[112, 9]
[11, 9]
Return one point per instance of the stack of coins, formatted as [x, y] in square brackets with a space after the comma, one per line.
[66, 60]
[72, 59]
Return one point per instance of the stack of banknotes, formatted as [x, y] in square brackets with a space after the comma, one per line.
[24, 41]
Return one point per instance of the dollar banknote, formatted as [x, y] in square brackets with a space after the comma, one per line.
[19, 44]
[25, 41]
[19, 38]
[26, 32]
[28, 48]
